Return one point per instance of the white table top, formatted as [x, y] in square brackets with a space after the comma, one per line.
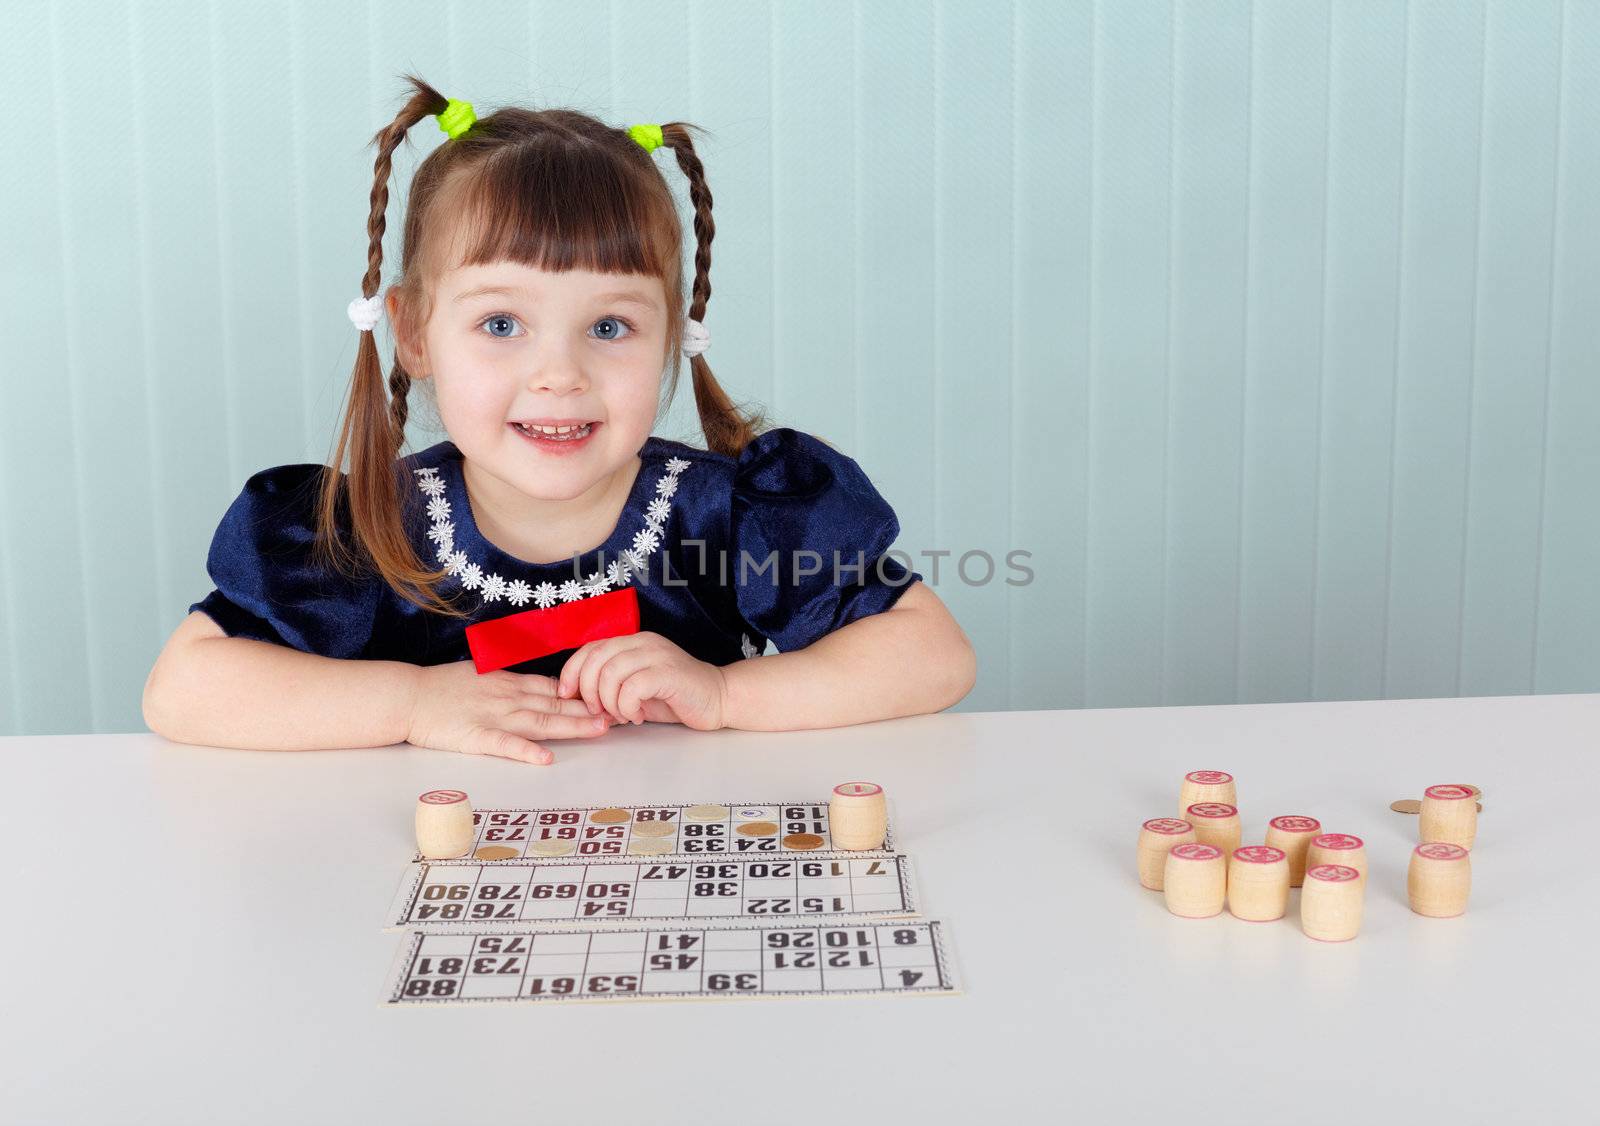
[193, 935]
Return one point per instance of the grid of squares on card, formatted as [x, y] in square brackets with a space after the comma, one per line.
[483, 896]
[735, 829]
[739, 961]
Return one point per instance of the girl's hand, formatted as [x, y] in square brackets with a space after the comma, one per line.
[499, 713]
[643, 676]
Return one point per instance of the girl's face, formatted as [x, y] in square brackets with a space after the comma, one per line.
[508, 344]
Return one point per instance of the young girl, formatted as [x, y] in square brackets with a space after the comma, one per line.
[552, 568]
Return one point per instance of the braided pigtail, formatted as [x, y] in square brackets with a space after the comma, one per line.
[374, 426]
[728, 429]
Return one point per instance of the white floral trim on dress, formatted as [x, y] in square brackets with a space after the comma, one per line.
[493, 587]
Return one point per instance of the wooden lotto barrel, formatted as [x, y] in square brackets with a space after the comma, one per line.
[1439, 879]
[1293, 833]
[858, 816]
[1330, 905]
[1258, 883]
[1206, 785]
[1338, 848]
[1216, 824]
[444, 824]
[1449, 813]
[1157, 837]
[1195, 881]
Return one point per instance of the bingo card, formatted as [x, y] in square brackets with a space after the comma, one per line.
[694, 962]
[489, 895]
[712, 828]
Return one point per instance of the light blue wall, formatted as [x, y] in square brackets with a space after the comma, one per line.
[1270, 331]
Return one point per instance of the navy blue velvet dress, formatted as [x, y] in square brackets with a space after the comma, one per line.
[786, 542]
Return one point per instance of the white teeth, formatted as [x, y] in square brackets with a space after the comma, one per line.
[567, 433]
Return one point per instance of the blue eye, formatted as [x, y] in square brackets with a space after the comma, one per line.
[619, 329]
[617, 321]
[496, 318]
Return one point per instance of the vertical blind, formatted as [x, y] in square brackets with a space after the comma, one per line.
[1209, 351]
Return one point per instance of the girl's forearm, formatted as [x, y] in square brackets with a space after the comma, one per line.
[908, 660]
[237, 692]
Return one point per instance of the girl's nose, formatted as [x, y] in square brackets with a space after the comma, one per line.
[558, 375]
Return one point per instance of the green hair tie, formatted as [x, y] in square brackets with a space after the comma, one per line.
[648, 136]
[457, 118]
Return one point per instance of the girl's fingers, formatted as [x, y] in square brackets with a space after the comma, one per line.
[536, 685]
[635, 690]
[505, 744]
[555, 704]
[613, 673]
[567, 682]
[533, 724]
[589, 676]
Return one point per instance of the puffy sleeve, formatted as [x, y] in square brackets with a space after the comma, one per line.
[809, 533]
[267, 586]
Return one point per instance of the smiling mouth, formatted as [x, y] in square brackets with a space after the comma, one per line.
[565, 432]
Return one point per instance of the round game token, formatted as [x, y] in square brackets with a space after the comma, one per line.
[1213, 809]
[1440, 850]
[1336, 840]
[1209, 777]
[1294, 823]
[653, 829]
[858, 789]
[1168, 825]
[802, 841]
[612, 816]
[1334, 873]
[497, 852]
[552, 847]
[706, 813]
[1406, 805]
[643, 847]
[1447, 793]
[757, 829]
[442, 797]
[1259, 854]
[1196, 852]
